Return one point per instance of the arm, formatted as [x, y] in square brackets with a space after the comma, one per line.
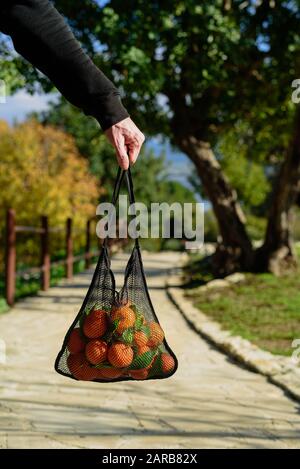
[41, 36]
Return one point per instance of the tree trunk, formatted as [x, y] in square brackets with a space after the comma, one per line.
[235, 251]
[276, 254]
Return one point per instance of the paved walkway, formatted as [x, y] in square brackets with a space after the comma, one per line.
[209, 403]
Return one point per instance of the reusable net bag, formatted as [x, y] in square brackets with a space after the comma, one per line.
[116, 335]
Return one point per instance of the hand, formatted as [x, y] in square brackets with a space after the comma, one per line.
[127, 140]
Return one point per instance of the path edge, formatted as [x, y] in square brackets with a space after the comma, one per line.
[279, 370]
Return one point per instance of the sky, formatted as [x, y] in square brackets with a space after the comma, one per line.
[18, 106]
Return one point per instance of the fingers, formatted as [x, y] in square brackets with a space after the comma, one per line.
[121, 152]
[135, 147]
[133, 152]
[127, 140]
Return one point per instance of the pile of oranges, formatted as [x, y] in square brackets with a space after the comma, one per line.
[117, 343]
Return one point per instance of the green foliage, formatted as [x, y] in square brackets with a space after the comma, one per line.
[210, 227]
[295, 225]
[143, 360]
[139, 321]
[127, 336]
[156, 368]
[31, 285]
[3, 306]
[194, 56]
[256, 226]
[197, 271]
[246, 174]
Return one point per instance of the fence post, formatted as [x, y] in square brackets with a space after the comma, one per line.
[45, 255]
[88, 244]
[69, 249]
[10, 264]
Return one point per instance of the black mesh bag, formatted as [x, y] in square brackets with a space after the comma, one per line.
[116, 335]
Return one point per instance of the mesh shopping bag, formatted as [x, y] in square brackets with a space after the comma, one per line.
[116, 334]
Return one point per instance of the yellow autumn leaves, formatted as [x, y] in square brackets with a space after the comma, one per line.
[42, 173]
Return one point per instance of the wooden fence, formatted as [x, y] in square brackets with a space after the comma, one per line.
[12, 230]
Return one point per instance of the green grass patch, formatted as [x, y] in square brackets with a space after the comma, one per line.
[31, 285]
[264, 309]
[197, 271]
[3, 306]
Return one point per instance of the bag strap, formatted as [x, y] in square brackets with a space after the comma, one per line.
[117, 186]
[116, 192]
[130, 186]
[131, 197]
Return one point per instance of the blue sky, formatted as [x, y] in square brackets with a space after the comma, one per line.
[20, 104]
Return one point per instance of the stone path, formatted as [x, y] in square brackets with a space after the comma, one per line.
[209, 403]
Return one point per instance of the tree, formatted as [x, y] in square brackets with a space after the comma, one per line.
[247, 172]
[94, 146]
[90, 141]
[277, 253]
[42, 173]
[191, 71]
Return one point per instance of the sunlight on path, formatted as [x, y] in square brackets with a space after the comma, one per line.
[209, 402]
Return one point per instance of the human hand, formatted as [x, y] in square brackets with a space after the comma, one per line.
[127, 140]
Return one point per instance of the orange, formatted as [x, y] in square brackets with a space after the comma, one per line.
[95, 351]
[140, 339]
[87, 373]
[143, 349]
[156, 335]
[126, 317]
[80, 368]
[109, 373]
[120, 355]
[139, 374]
[75, 343]
[95, 324]
[167, 363]
[75, 363]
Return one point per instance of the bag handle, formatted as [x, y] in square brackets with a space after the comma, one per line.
[130, 186]
[116, 192]
[131, 197]
[117, 186]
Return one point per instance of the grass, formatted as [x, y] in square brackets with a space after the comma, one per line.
[31, 286]
[3, 306]
[197, 272]
[264, 309]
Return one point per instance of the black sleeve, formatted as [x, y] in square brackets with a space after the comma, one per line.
[41, 36]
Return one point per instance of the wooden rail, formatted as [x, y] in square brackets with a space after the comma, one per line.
[44, 231]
